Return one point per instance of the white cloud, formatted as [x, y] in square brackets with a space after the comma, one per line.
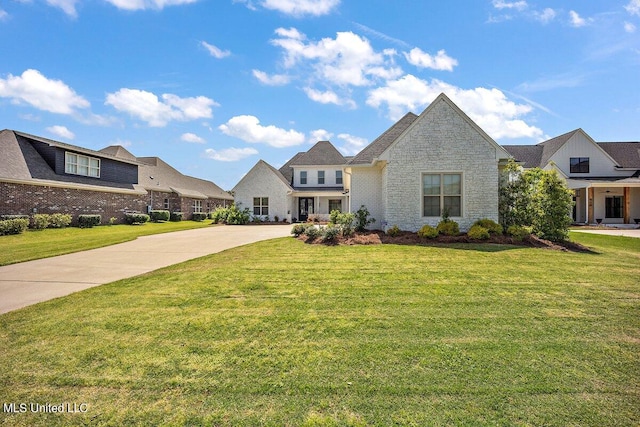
[576, 20]
[489, 108]
[229, 154]
[271, 80]
[61, 131]
[517, 5]
[328, 97]
[3, 15]
[147, 107]
[147, 4]
[545, 16]
[352, 144]
[67, 6]
[301, 7]
[319, 135]
[629, 27]
[215, 51]
[633, 7]
[192, 137]
[249, 129]
[421, 59]
[45, 94]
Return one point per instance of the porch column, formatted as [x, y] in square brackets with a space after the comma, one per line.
[626, 207]
[590, 218]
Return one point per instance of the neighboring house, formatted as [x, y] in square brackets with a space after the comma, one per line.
[310, 184]
[39, 175]
[604, 175]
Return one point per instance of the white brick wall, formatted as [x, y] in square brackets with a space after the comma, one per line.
[366, 189]
[262, 182]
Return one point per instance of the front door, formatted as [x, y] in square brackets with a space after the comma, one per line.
[305, 208]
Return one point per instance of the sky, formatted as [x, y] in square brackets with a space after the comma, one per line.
[212, 86]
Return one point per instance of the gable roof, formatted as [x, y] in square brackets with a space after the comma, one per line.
[273, 170]
[287, 170]
[119, 151]
[381, 143]
[322, 153]
[529, 156]
[627, 154]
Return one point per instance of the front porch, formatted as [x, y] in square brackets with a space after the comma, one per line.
[606, 202]
[317, 205]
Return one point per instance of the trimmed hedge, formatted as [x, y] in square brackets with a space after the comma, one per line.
[428, 232]
[88, 221]
[176, 216]
[492, 226]
[136, 218]
[40, 221]
[518, 232]
[199, 216]
[58, 220]
[13, 226]
[159, 215]
[478, 232]
[448, 227]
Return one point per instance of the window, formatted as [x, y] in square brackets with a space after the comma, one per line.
[303, 177]
[77, 164]
[261, 206]
[335, 205]
[197, 206]
[338, 177]
[613, 207]
[442, 192]
[320, 177]
[579, 164]
[166, 204]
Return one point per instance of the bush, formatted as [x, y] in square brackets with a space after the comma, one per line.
[219, 215]
[136, 218]
[428, 232]
[344, 221]
[58, 220]
[394, 231]
[113, 220]
[448, 227]
[518, 232]
[362, 218]
[333, 216]
[159, 215]
[199, 216]
[311, 232]
[176, 216]
[14, 217]
[478, 232]
[276, 218]
[330, 233]
[299, 229]
[40, 221]
[492, 226]
[235, 216]
[88, 221]
[13, 226]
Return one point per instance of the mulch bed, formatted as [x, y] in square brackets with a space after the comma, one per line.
[408, 238]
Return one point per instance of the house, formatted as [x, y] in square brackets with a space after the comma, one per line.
[605, 176]
[309, 184]
[40, 175]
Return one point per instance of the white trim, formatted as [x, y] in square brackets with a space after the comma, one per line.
[74, 186]
[441, 173]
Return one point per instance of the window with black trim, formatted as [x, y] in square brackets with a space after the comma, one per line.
[441, 192]
[613, 206]
[335, 205]
[579, 164]
[261, 206]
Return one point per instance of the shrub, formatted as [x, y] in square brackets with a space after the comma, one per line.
[159, 215]
[330, 233]
[428, 232]
[199, 216]
[58, 220]
[88, 221]
[276, 218]
[518, 232]
[448, 227]
[176, 216]
[363, 218]
[219, 215]
[299, 229]
[40, 221]
[312, 232]
[14, 217]
[136, 218]
[13, 226]
[492, 226]
[235, 216]
[333, 216]
[394, 231]
[345, 222]
[478, 232]
[113, 220]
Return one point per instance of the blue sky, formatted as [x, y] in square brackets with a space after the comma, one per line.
[211, 86]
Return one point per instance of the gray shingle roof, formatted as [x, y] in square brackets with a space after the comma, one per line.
[627, 154]
[119, 151]
[528, 155]
[550, 147]
[377, 147]
[322, 153]
[286, 170]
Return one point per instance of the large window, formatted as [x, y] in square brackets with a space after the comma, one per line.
[579, 164]
[261, 206]
[442, 192]
[197, 206]
[77, 164]
[335, 205]
[303, 177]
[320, 177]
[613, 206]
[338, 177]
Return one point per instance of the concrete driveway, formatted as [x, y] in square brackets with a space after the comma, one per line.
[628, 232]
[31, 282]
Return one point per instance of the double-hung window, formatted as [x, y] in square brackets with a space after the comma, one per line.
[320, 177]
[338, 177]
[303, 177]
[442, 193]
[261, 206]
[77, 164]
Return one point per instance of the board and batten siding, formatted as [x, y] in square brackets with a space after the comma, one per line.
[580, 146]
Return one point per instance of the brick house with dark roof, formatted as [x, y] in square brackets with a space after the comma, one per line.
[40, 175]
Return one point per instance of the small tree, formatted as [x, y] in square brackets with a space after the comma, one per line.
[363, 218]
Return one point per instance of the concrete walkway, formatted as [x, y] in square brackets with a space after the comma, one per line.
[31, 282]
[628, 232]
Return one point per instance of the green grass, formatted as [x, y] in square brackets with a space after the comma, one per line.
[36, 244]
[282, 333]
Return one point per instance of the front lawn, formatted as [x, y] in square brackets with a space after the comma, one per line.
[281, 333]
[36, 244]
